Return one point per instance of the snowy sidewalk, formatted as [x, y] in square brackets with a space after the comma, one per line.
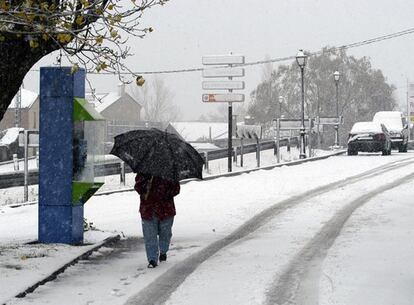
[25, 264]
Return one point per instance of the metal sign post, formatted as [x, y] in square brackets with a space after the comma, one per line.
[336, 121]
[230, 85]
[277, 142]
[241, 152]
[250, 132]
[410, 107]
[27, 138]
[230, 138]
[310, 138]
[296, 124]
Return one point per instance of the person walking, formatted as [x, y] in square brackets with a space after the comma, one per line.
[157, 214]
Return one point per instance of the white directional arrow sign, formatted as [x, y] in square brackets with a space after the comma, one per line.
[330, 121]
[223, 97]
[224, 72]
[223, 59]
[223, 85]
[293, 124]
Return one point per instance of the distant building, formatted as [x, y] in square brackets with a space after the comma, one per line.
[29, 111]
[118, 107]
[9, 143]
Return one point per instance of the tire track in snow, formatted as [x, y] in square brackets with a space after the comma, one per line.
[158, 291]
[299, 284]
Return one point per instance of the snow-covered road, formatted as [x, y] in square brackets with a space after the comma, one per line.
[297, 235]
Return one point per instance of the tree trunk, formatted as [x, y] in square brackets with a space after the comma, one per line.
[17, 59]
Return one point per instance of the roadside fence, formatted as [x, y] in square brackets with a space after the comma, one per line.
[118, 167]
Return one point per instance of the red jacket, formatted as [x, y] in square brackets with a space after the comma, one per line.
[157, 196]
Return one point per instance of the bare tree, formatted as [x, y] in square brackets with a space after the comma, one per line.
[157, 100]
[92, 33]
[267, 70]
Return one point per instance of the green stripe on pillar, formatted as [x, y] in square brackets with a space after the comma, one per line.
[83, 111]
[82, 191]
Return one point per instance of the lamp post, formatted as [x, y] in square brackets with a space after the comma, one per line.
[301, 61]
[280, 105]
[337, 75]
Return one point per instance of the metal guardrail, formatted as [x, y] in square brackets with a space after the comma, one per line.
[14, 179]
[249, 148]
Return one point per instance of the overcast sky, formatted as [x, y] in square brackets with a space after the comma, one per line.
[185, 30]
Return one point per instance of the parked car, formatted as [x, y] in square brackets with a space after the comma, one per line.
[397, 126]
[369, 137]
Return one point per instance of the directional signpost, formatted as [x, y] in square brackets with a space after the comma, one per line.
[222, 66]
[223, 72]
[27, 139]
[291, 124]
[223, 85]
[336, 121]
[220, 97]
[330, 121]
[230, 59]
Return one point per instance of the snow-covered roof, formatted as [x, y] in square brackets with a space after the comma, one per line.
[361, 127]
[198, 131]
[101, 101]
[27, 99]
[9, 135]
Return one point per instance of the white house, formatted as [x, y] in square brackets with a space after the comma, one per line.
[118, 107]
[29, 111]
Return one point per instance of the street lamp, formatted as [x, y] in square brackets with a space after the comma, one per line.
[280, 105]
[301, 61]
[337, 75]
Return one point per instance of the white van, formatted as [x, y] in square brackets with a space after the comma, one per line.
[397, 127]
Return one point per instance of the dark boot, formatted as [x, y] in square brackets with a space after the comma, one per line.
[163, 257]
[152, 264]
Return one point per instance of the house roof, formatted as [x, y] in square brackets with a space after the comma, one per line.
[27, 99]
[9, 135]
[103, 101]
[199, 131]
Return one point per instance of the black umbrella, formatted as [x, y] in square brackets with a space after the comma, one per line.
[158, 153]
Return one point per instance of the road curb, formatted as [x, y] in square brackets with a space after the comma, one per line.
[62, 269]
[269, 167]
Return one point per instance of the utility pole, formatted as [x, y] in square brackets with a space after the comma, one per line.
[17, 110]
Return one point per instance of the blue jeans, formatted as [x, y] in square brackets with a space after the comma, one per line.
[157, 236]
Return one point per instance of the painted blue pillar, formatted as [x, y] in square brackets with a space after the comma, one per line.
[60, 221]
